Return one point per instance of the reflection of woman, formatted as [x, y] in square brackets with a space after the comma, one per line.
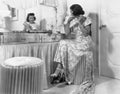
[30, 25]
[74, 55]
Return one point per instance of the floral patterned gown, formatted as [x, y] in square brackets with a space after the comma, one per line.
[76, 57]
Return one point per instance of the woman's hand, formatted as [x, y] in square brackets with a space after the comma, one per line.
[68, 19]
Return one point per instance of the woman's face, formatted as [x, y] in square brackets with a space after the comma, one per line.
[71, 12]
[31, 19]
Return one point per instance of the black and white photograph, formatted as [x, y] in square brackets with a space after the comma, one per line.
[59, 47]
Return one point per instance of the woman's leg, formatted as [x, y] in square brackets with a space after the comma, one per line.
[58, 70]
[60, 56]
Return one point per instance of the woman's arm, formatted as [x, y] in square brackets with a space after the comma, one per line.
[67, 29]
[67, 25]
[85, 25]
[26, 27]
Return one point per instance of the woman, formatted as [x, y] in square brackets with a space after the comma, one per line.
[74, 55]
[30, 25]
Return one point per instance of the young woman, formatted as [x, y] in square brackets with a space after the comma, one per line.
[74, 55]
[30, 25]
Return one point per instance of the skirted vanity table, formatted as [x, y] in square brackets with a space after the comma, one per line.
[40, 45]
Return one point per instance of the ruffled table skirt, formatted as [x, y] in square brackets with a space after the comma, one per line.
[44, 51]
[21, 75]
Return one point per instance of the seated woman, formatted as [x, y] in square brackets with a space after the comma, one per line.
[74, 55]
[29, 24]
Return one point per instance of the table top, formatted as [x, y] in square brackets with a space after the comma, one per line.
[25, 38]
[30, 43]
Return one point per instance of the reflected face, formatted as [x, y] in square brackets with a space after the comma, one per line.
[31, 19]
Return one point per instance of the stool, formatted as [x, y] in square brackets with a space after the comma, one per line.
[22, 75]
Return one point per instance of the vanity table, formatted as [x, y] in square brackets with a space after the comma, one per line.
[39, 45]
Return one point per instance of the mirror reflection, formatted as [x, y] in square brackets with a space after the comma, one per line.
[18, 12]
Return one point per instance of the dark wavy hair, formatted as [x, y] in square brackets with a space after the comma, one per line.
[77, 10]
[30, 14]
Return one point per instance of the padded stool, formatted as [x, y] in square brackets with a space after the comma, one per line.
[22, 75]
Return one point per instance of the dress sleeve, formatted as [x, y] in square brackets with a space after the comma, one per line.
[74, 22]
[88, 21]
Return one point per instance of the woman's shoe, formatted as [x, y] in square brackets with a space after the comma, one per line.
[69, 83]
[56, 73]
[54, 78]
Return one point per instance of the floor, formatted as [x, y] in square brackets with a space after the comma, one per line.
[104, 85]
[107, 86]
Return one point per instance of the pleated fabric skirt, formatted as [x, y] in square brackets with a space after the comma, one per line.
[25, 79]
[83, 71]
[83, 76]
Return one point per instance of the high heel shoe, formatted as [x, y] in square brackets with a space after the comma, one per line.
[69, 83]
[56, 73]
[57, 77]
[54, 77]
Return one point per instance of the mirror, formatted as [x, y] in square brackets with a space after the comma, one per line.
[45, 16]
[44, 10]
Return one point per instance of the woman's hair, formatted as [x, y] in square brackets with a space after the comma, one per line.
[30, 14]
[77, 10]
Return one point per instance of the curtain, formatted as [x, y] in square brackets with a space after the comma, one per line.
[61, 13]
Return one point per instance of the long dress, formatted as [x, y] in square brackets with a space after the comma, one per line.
[77, 58]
